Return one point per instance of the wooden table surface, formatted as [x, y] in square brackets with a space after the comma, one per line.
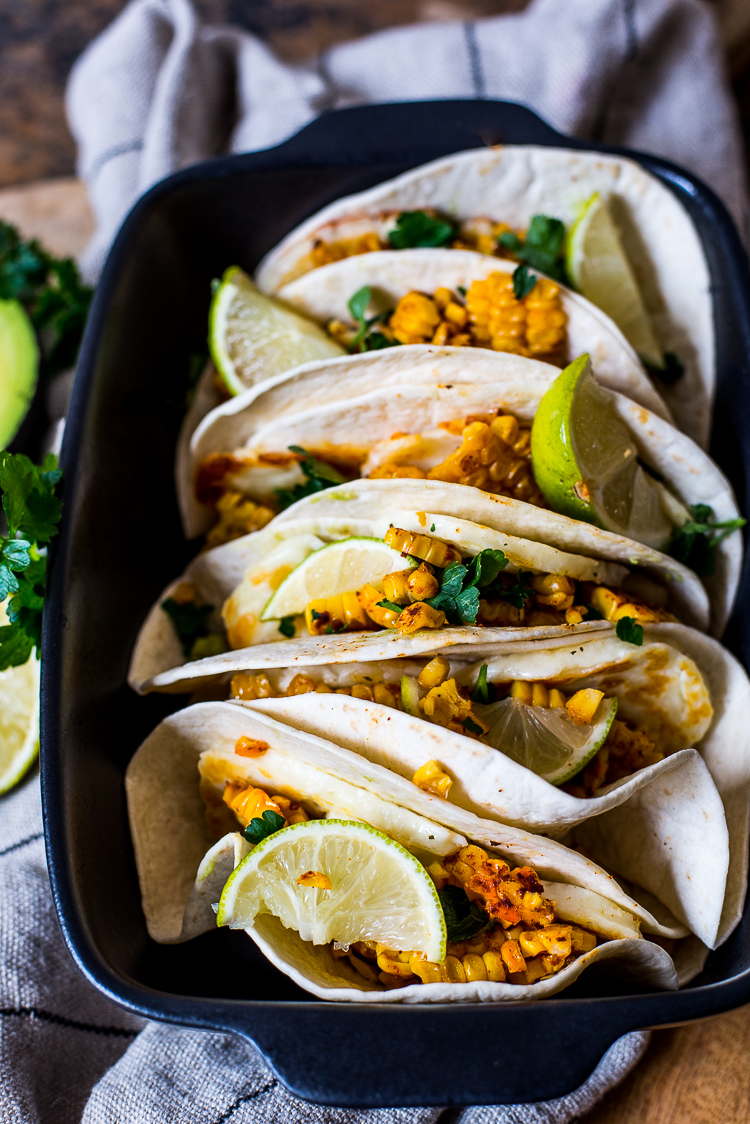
[698, 1074]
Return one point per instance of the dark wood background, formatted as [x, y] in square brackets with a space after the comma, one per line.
[40, 40]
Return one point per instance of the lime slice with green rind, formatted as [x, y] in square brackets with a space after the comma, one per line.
[379, 891]
[253, 337]
[340, 567]
[19, 721]
[598, 267]
[545, 739]
[586, 462]
[19, 362]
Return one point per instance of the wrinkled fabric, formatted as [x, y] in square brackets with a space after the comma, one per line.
[158, 91]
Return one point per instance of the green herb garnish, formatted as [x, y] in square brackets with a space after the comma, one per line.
[366, 339]
[460, 585]
[432, 528]
[463, 919]
[630, 631]
[319, 477]
[390, 605]
[50, 291]
[695, 542]
[260, 827]
[542, 248]
[483, 692]
[523, 282]
[416, 228]
[190, 622]
[32, 512]
[472, 726]
[288, 626]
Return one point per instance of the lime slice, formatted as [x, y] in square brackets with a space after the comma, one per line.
[340, 567]
[19, 721]
[379, 891]
[253, 337]
[598, 267]
[586, 462]
[546, 739]
[19, 358]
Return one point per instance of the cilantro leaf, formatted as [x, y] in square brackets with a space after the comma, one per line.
[695, 542]
[384, 604]
[15, 646]
[520, 592]
[483, 692]
[467, 605]
[262, 826]
[319, 477]
[31, 507]
[416, 228]
[366, 339]
[357, 304]
[463, 919]
[376, 341]
[523, 282]
[542, 247]
[472, 726]
[458, 596]
[485, 567]
[630, 631]
[190, 621]
[288, 626]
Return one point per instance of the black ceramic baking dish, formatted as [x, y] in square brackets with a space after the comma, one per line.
[120, 544]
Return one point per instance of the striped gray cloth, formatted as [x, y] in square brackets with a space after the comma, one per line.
[147, 98]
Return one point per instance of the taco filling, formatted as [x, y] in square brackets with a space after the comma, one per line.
[500, 925]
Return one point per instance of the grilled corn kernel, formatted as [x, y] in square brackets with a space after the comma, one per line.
[535, 969]
[445, 706]
[539, 695]
[438, 874]
[315, 880]
[240, 633]
[581, 940]
[556, 698]
[292, 812]
[583, 705]
[420, 615]
[493, 964]
[505, 426]
[427, 971]
[248, 802]
[534, 326]
[512, 956]
[553, 590]
[395, 587]
[575, 614]
[415, 318]
[434, 673]
[474, 968]
[300, 685]
[531, 943]
[523, 691]
[430, 550]
[393, 963]
[442, 297]
[246, 686]
[614, 605]
[334, 614]
[556, 940]
[369, 597]
[386, 695]
[238, 516]
[250, 747]
[422, 583]
[432, 778]
[323, 689]
[454, 970]
[363, 691]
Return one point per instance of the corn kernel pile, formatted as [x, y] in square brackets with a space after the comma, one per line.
[525, 943]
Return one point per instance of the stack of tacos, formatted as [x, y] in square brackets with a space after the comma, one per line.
[450, 642]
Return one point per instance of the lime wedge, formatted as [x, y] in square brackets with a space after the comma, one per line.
[19, 721]
[340, 567]
[253, 337]
[586, 462]
[598, 267]
[379, 891]
[546, 739]
[19, 358]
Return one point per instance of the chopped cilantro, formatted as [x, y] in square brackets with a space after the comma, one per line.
[695, 542]
[523, 282]
[32, 512]
[376, 341]
[315, 614]
[472, 726]
[50, 291]
[672, 370]
[432, 528]
[319, 477]
[520, 592]
[593, 614]
[416, 228]
[542, 248]
[190, 622]
[288, 625]
[630, 631]
[461, 290]
[262, 826]
[460, 585]
[463, 919]
[390, 605]
[366, 339]
[483, 692]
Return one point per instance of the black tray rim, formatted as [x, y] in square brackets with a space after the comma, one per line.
[620, 1013]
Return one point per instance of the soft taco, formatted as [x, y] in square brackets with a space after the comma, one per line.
[549, 735]
[488, 420]
[531, 205]
[474, 910]
[407, 557]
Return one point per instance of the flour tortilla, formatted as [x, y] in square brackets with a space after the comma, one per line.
[371, 397]
[169, 837]
[512, 183]
[325, 294]
[470, 518]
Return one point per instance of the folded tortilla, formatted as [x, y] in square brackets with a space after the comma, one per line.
[170, 838]
[512, 183]
[352, 405]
